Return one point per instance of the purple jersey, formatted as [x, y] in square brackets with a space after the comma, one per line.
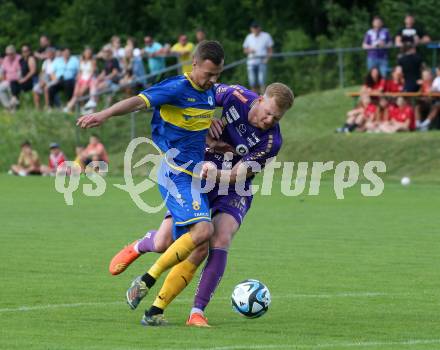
[249, 142]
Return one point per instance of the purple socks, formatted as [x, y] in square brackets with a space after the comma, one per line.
[146, 244]
[211, 276]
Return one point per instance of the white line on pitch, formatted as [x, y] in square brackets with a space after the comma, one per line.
[187, 300]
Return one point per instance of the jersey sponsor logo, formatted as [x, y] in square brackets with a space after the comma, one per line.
[233, 114]
[240, 96]
[191, 99]
[252, 140]
[241, 129]
[221, 89]
[242, 149]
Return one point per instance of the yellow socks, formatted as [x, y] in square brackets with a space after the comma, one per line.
[176, 252]
[178, 278]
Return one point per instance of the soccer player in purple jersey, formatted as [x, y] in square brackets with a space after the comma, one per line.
[249, 128]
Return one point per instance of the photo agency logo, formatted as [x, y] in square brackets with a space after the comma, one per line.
[207, 176]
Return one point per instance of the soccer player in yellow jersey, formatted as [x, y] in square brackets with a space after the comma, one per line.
[183, 109]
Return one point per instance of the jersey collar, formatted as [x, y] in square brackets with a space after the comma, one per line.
[194, 85]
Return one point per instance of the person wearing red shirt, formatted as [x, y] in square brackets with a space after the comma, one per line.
[56, 158]
[374, 83]
[396, 83]
[357, 116]
[401, 117]
[381, 116]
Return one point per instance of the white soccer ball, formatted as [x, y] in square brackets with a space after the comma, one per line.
[405, 181]
[250, 298]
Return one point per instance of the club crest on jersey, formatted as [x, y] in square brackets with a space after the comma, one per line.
[242, 149]
[211, 101]
[241, 129]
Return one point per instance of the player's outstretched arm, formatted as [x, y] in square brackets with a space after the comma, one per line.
[128, 105]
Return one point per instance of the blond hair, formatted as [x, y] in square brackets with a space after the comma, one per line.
[282, 93]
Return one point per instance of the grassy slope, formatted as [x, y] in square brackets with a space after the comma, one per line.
[308, 136]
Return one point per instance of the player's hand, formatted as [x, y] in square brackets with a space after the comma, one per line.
[208, 171]
[91, 120]
[216, 129]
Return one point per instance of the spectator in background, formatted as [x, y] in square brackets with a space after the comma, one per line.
[28, 162]
[357, 117]
[95, 151]
[46, 79]
[374, 83]
[200, 35]
[183, 49]
[56, 158]
[41, 53]
[424, 103]
[133, 72]
[84, 78]
[401, 117]
[435, 108]
[381, 116]
[65, 71]
[411, 64]
[411, 33]
[29, 71]
[377, 40]
[131, 44]
[155, 52]
[258, 48]
[396, 83]
[117, 50]
[108, 79]
[11, 72]
[79, 157]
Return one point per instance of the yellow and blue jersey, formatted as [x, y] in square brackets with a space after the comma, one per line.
[182, 116]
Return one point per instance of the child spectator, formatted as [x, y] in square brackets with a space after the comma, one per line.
[395, 84]
[401, 117]
[95, 151]
[183, 49]
[374, 83]
[357, 117]
[28, 162]
[46, 79]
[79, 150]
[56, 158]
[87, 68]
[381, 116]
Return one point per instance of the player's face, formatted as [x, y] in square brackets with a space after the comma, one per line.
[268, 113]
[205, 74]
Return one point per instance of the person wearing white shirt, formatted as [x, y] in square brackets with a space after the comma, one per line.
[258, 48]
[435, 109]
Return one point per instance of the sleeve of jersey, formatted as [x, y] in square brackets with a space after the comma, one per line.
[265, 150]
[162, 93]
[222, 94]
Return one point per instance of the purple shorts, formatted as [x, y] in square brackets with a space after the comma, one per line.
[232, 204]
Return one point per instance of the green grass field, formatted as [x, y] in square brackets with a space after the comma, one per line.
[358, 273]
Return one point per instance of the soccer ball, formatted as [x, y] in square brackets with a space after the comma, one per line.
[405, 181]
[250, 298]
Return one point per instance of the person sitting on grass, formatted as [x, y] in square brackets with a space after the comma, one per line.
[380, 117]
[28, 162]
[95, 151]
[56, 158]
[401, 117]
[357, 117]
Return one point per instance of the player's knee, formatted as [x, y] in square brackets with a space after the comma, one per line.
[202, 232]
[221, 239]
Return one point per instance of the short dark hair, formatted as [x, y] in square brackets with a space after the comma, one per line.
[26, 143]
[210, 50]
